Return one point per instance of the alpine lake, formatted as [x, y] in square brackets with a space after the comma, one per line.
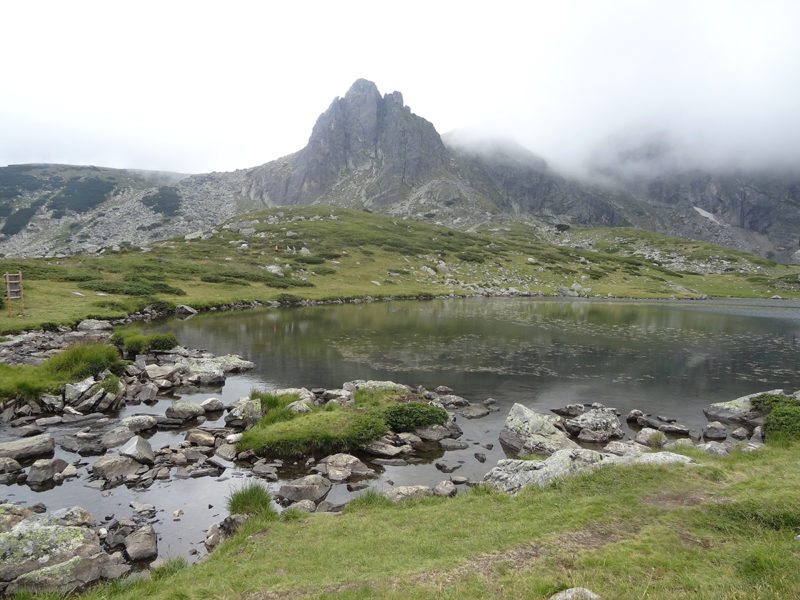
[667, 358]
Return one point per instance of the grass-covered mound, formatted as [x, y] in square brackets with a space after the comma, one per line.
[25, 382]
[282, 432]
[131, 341]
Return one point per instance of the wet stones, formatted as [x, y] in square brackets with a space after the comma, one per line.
[311, 487]
[29, 447]
[343, 467]
[527, 431]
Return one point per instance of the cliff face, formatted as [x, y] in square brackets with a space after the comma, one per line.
[370, 151]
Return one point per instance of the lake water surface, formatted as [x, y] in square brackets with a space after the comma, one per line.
[667, 358]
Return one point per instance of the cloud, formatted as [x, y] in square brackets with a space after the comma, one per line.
[198, 86]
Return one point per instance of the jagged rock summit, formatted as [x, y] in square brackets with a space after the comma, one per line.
[369, 151]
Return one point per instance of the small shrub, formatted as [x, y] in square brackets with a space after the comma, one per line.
[49, 326]
[657, 439]
[161, 341]
[783, 421]
[288, 299]
[164, 288]
[134, 345]
[310, 260]
[469, 256]
[408, 416]
[765, 402]
[81, 360]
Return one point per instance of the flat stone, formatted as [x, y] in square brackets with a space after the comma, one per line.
[43, 470]
[311, 487]
[184, 410]
[527, 431]
[444, 489]
[29, 447]
[142, 544]
[450, 444]
[199, 437]
[474, 411]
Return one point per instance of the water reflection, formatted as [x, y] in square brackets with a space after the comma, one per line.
[667, 357]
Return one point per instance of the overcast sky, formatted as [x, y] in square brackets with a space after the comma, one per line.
[199, 86]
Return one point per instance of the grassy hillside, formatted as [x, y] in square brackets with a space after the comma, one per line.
[722, 530]
[356, 254]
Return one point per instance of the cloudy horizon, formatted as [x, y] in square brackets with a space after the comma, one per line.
[197, 87]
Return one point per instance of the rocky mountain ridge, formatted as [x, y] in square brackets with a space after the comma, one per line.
[371, 152]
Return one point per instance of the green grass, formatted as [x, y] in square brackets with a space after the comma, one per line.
[325, 431]
[25, 382]
[723, 530]
[408, 416]
[355, 249]
[251, 499]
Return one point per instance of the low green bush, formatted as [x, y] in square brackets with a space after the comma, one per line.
[132, 342]
[407, 416]
[782, 420]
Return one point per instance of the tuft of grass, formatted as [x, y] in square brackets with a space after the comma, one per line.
[369, 500]
[251, 499]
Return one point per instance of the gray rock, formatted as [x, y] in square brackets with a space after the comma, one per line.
[598, 425]
[138, 449]
[226, 451]
[526, 431]
[168, 371]
[474, 411]
[213, 537]
[445, 489]
[266, 471]
[407, 492]
[715, 431]
[183, 311]
[379, 448]
[570, 410]
[9, 465]
[739, 411]
[740, 433]
[511, 475]
[199, 437]
[212, 405]
[715, 448]
[11, 514]
[115, 469]
[94, 325]
[184, 410]
[299, 406]
[29, 447]
[434, 433]
[341, 467]
[448, 444]
[311, 487]
[116, 436]
[306, 506]
[142, 544]
[452, 401]
[244, 414]
[651, 437]
[758, 436]
[43, 470]
[137, 423]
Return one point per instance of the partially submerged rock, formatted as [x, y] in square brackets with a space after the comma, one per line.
[529, 432]
[29, 447]
[311, 487]
[407, 492]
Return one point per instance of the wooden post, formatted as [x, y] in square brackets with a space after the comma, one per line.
[14, 291]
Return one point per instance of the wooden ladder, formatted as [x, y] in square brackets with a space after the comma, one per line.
[14, 290]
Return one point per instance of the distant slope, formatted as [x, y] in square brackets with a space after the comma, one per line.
[371, 152]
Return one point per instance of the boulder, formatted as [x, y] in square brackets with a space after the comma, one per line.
[142, 544]
[715, 431]
[658, 423]
[570, 410]
[407, 492]
[212, 405]
[597, 425]
[739, 411]
[226, 451]
[115, 469]
[381, 448]
[116, 436]
[511, 475]
[11, 514]
[449, 444]
[303, 395]
[200, 437]
[434, 433]
[651, 437]
[445, 489]
[184, 410]
[183, 311]
[527, 431]
[715, 448]
[474, 411]
[29, 447]
[299, 406]
[43, 470]
[137, 423]
[138, 449]
[306, 506]
[244, 414]
[740, 433]
[44, 540]
[452, 401]
[167, 372]
[341, 467]
[94, 325]
[311, 487]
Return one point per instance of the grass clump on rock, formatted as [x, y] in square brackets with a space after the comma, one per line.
[133, 341]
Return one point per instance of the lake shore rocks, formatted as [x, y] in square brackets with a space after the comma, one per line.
[739, 411]
[526, 431]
